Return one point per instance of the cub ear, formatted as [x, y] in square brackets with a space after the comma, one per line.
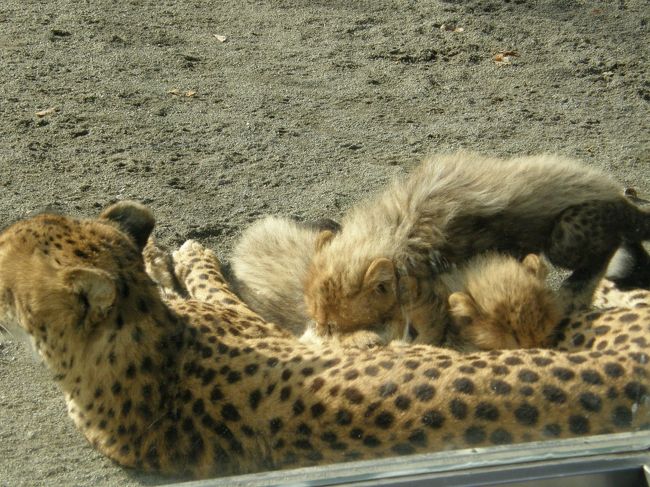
[380, 276]
[133, 218]
[536, 266]
[95, 287]
[323, 238]
[463, 309]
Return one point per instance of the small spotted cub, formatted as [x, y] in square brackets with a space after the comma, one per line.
[498, 302]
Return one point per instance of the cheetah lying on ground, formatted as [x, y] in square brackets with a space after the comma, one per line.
[203, 386]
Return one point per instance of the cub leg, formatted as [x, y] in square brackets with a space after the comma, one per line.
[584, 239]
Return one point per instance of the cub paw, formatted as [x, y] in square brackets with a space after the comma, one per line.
[362, 339]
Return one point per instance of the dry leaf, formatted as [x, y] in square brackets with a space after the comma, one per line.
[177, 92]
[43, 113]
[220, 38]
[451, 28]
[504, 57]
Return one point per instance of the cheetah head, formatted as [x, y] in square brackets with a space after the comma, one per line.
[61, 276]
[505, 305]
[344, 298]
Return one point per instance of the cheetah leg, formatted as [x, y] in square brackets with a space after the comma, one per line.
[577, 291]
[199, 270]
[584, 239]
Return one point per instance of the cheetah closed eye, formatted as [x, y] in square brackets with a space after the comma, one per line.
[203, 386]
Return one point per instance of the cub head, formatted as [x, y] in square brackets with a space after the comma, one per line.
[62, 277]
[346, 292]
[504, 304]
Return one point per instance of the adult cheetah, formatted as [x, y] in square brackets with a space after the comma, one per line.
[203, 386]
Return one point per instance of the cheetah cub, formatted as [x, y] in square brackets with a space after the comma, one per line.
[456, 206]
[497, 302]
[269, 263]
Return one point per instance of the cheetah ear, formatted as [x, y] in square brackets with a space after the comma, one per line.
[323, 238]
[95, 288]
[133, 218]
[380, 276]
[535, 266]
[463, 309]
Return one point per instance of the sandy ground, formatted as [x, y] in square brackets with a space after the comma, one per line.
[305, 108]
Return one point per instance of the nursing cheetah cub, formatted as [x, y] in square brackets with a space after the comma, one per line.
[497, 302]
[456, 206]
[269, 263]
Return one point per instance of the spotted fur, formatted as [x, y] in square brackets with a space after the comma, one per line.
[203, 386]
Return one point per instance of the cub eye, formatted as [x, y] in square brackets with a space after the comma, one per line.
[83, 300]
[381, 288]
